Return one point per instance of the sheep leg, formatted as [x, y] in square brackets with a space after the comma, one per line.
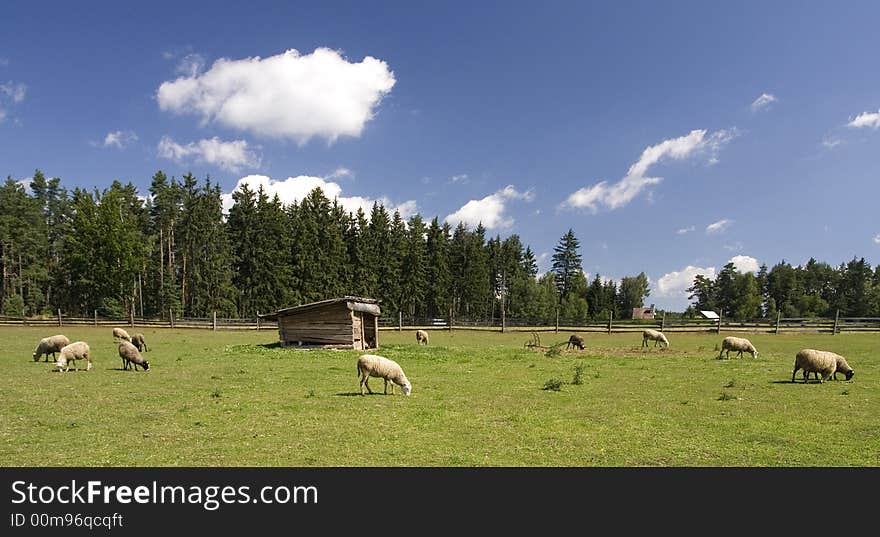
[793, 372]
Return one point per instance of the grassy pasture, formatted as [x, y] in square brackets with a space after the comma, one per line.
[232, 398]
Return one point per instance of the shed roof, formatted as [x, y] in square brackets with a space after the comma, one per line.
[354, 303]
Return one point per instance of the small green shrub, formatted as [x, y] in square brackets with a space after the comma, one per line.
[216, 393]
[553, 384]
[578, 371]
[726, 397]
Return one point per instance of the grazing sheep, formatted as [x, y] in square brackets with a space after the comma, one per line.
[421, 336]
[575, 341]
[130, 355]
[50, 345]
[825, 362]
[373, 365]
[740, 344]
[78, 350]
[138, 341]
[655, 335]
[121, 334]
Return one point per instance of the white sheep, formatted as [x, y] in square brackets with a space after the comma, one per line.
[130, 355]
[421, 336]
[654, 335]
[824, 362]
[575, 341]
[138, 341]
[50, 345]
[121, 334]
[78, 350]
[373, 365]
[731, 343]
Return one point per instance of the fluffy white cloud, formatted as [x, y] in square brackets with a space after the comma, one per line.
[762, 102]
[462, 178]
[14, 91]
[288, 95]
[617, 195]
[119, 139]
[294, 189]
[489, 210]
[684, 230]
[231, 156]
[719, 226]
[866, 119]
[676, 283]
[744, 263]
[877, 238]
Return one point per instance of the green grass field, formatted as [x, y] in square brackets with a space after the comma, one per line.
[232, 398]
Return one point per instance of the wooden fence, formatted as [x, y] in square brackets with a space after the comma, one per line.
[833, 325]
[210, 323]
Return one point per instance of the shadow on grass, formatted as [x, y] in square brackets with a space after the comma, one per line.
[275, 345]
[358, 394]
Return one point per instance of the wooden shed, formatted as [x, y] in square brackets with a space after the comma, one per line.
[349, 322]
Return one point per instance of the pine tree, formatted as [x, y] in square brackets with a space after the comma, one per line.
[566, 262]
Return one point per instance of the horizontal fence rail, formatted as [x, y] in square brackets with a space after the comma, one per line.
[210, 323]
[782, 324]
[791, 324]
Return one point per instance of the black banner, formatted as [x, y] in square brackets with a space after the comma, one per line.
[121, 501]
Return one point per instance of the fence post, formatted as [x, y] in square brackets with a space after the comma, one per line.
[557, 318]
[610, 320]
[503, 319]
[171, 316]
[215, 321]
[778, 315]
[663, 322]
[59, 316]
[836, 319]
[96, 317]
[720, 316]
[399, 321]
[131, 316]
[258, 321]
[449, 320]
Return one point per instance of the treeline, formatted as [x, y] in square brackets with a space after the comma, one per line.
[815, 289]
[119, 253]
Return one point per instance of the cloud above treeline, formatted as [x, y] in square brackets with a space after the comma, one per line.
[231, 156]
[287, 96]
[490, 210]
[615, 195]
[294, 189]
[763, 102]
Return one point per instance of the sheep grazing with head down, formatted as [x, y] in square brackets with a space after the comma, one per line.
[575, 341]
[130, 355]
[421, 337]
[654, 335]
[78, 350]
[373, 365]
[121, 334]
[824, 362]
[50, 345]
[138, 341]
[740, 344]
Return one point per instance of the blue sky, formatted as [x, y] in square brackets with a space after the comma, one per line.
[637, 124]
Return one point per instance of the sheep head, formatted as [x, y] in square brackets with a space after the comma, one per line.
[407, 388]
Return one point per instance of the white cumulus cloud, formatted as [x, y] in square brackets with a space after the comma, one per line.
[744, 263]
[684, 230]
[676, 283]
[119, 139]
[231, 156]
[877, 238]
[294, 189]
[490, 211]
[866, 120]
[289, 95]
[618, 194]
[719, 226]
[763, 101]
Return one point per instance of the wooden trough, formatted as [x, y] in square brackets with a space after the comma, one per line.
[348, 322]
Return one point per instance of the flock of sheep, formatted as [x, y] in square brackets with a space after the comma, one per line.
[826, 363]
[68, 353]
